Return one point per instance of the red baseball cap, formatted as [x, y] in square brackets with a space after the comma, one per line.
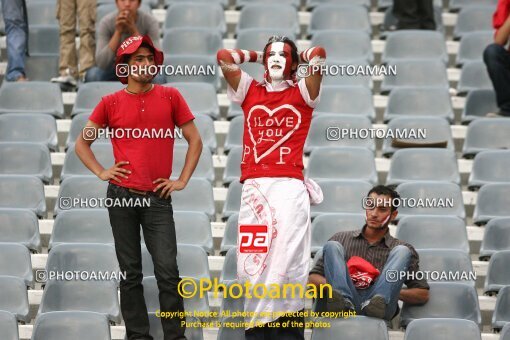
[362, 272]
[130, 45]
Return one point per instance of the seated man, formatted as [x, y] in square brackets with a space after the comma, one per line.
[367, 268]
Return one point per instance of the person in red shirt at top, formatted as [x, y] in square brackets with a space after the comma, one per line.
[497, 59]
[275, 202]
[142, 170]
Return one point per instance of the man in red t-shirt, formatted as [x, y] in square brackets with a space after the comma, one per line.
[275, 203]
[142, 170]
[497, 59]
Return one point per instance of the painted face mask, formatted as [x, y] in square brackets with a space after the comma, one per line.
[278, 62]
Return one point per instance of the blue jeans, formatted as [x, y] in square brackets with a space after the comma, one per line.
[497, 60]
[16, 30]
[98, 74]
[337, 275]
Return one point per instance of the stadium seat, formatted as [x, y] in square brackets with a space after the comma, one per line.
[325, 226]
[233, 200]
[456, 5]
[230, 304]
[26, 158]
[489, 166]
[384, 4]
[25, 192]
[194, 228]
[156, 330]
[200, 97]
[498, 273]
[310, 4]
[273, 16]
[446, 300]
[241, 3]
[80, 192]
[199, 15]
[43, 129]
[492, 201]
[14, 297]
[9, 326]
[44, 97]
[437, 329]
[505, 332]
[81, 295]
[453, 261]
[41, 67]
[472, 46]
[479, 102]
[43, 39]
[421, 130]
[81, 226]
[390, 21]
[344, 163]
[496, 237]
[77, 124]
[426, 73]
[352, 328]
[344, 46]
[229, 239]
[423, 164]
[205, 126]
[191, 69]
[229, 270]
[472, 77]
[73, 166]
[326, 130]
[346, 16]
[501, 316]
[90, 94]
[204, 169]
[2, 24]
[15, 261]
[235, 134]
[341, 197]
[191, 41]
[232, 171]
[418, 101]
[223, 3]
[230, 333]
[351, 76]
[473, 19]
[71, 325]
[431, 198]
[256, 38]
[414, 45]
[486, 134]
[186, 200]
[434, 232]
[41, 13]
[20, 226]
[354, 100]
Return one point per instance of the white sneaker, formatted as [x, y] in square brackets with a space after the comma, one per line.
[67, 79]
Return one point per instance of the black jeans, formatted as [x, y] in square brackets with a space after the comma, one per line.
[278, 333]
[414, 14]
[497, 60]
[159, 233]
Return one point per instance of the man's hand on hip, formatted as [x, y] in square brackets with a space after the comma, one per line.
[115, 171]
[167, 186]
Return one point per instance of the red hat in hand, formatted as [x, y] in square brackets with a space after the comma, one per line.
[362, 272]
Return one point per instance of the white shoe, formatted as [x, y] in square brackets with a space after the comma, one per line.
[67, 79]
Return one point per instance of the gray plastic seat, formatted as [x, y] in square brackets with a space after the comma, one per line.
[229, 239]
[492, 201]
[43, 39]
[229, 270]
[73, 166]
[156, 329]
[498, 273]
[505, 332]
[186, 200]
[241, 3]
[205, 126]
[434, 232]
[15, 261]
[41, 13]
[474, 76]
[223, 3]
[344, 163]
[423, 164]
[314, 3]
[489, 167]
[359, 327]
[26, 158]
[77, 295]
[90, 94]
[344, 16]
[501, 316]
[472, 46]
[200, 97]
[426, 73]
[233, 305]
[25, 192]
[354, 100]
[194, 228]
[325, 130]
[479, 102]
[448, 198]
[45, 97]
[446, 300]
[415, 44]
[71, 325]
[231, 333]
[384, 4]
[42, 129]
[81, 226]
[433, 129]
[496, 237]
[75, 189]
[456, 5]
[191, 69]
[233, 200]
[344, 46]
[204, 169]
[232, 171]
[416, 101]
[41, 67]
[325, 226]
[351, 77]
[9, 326]
[452, 261]
[486, 134]
[14, 297]
[341, 197]
[263, 15]
[203, 15]
[20, 226]
[77, 124]
[473, 18]
[256, 38]
[390, 20]
[442, 329]
[235, 134]
[191, 41]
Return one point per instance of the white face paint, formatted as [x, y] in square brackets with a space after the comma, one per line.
[276, 61]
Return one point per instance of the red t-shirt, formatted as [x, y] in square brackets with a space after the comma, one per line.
[501, 14]
[160, 109]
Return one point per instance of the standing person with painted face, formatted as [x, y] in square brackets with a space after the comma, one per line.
[275, 202]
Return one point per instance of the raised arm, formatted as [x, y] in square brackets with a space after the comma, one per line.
[228, 60]
[315, 57]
